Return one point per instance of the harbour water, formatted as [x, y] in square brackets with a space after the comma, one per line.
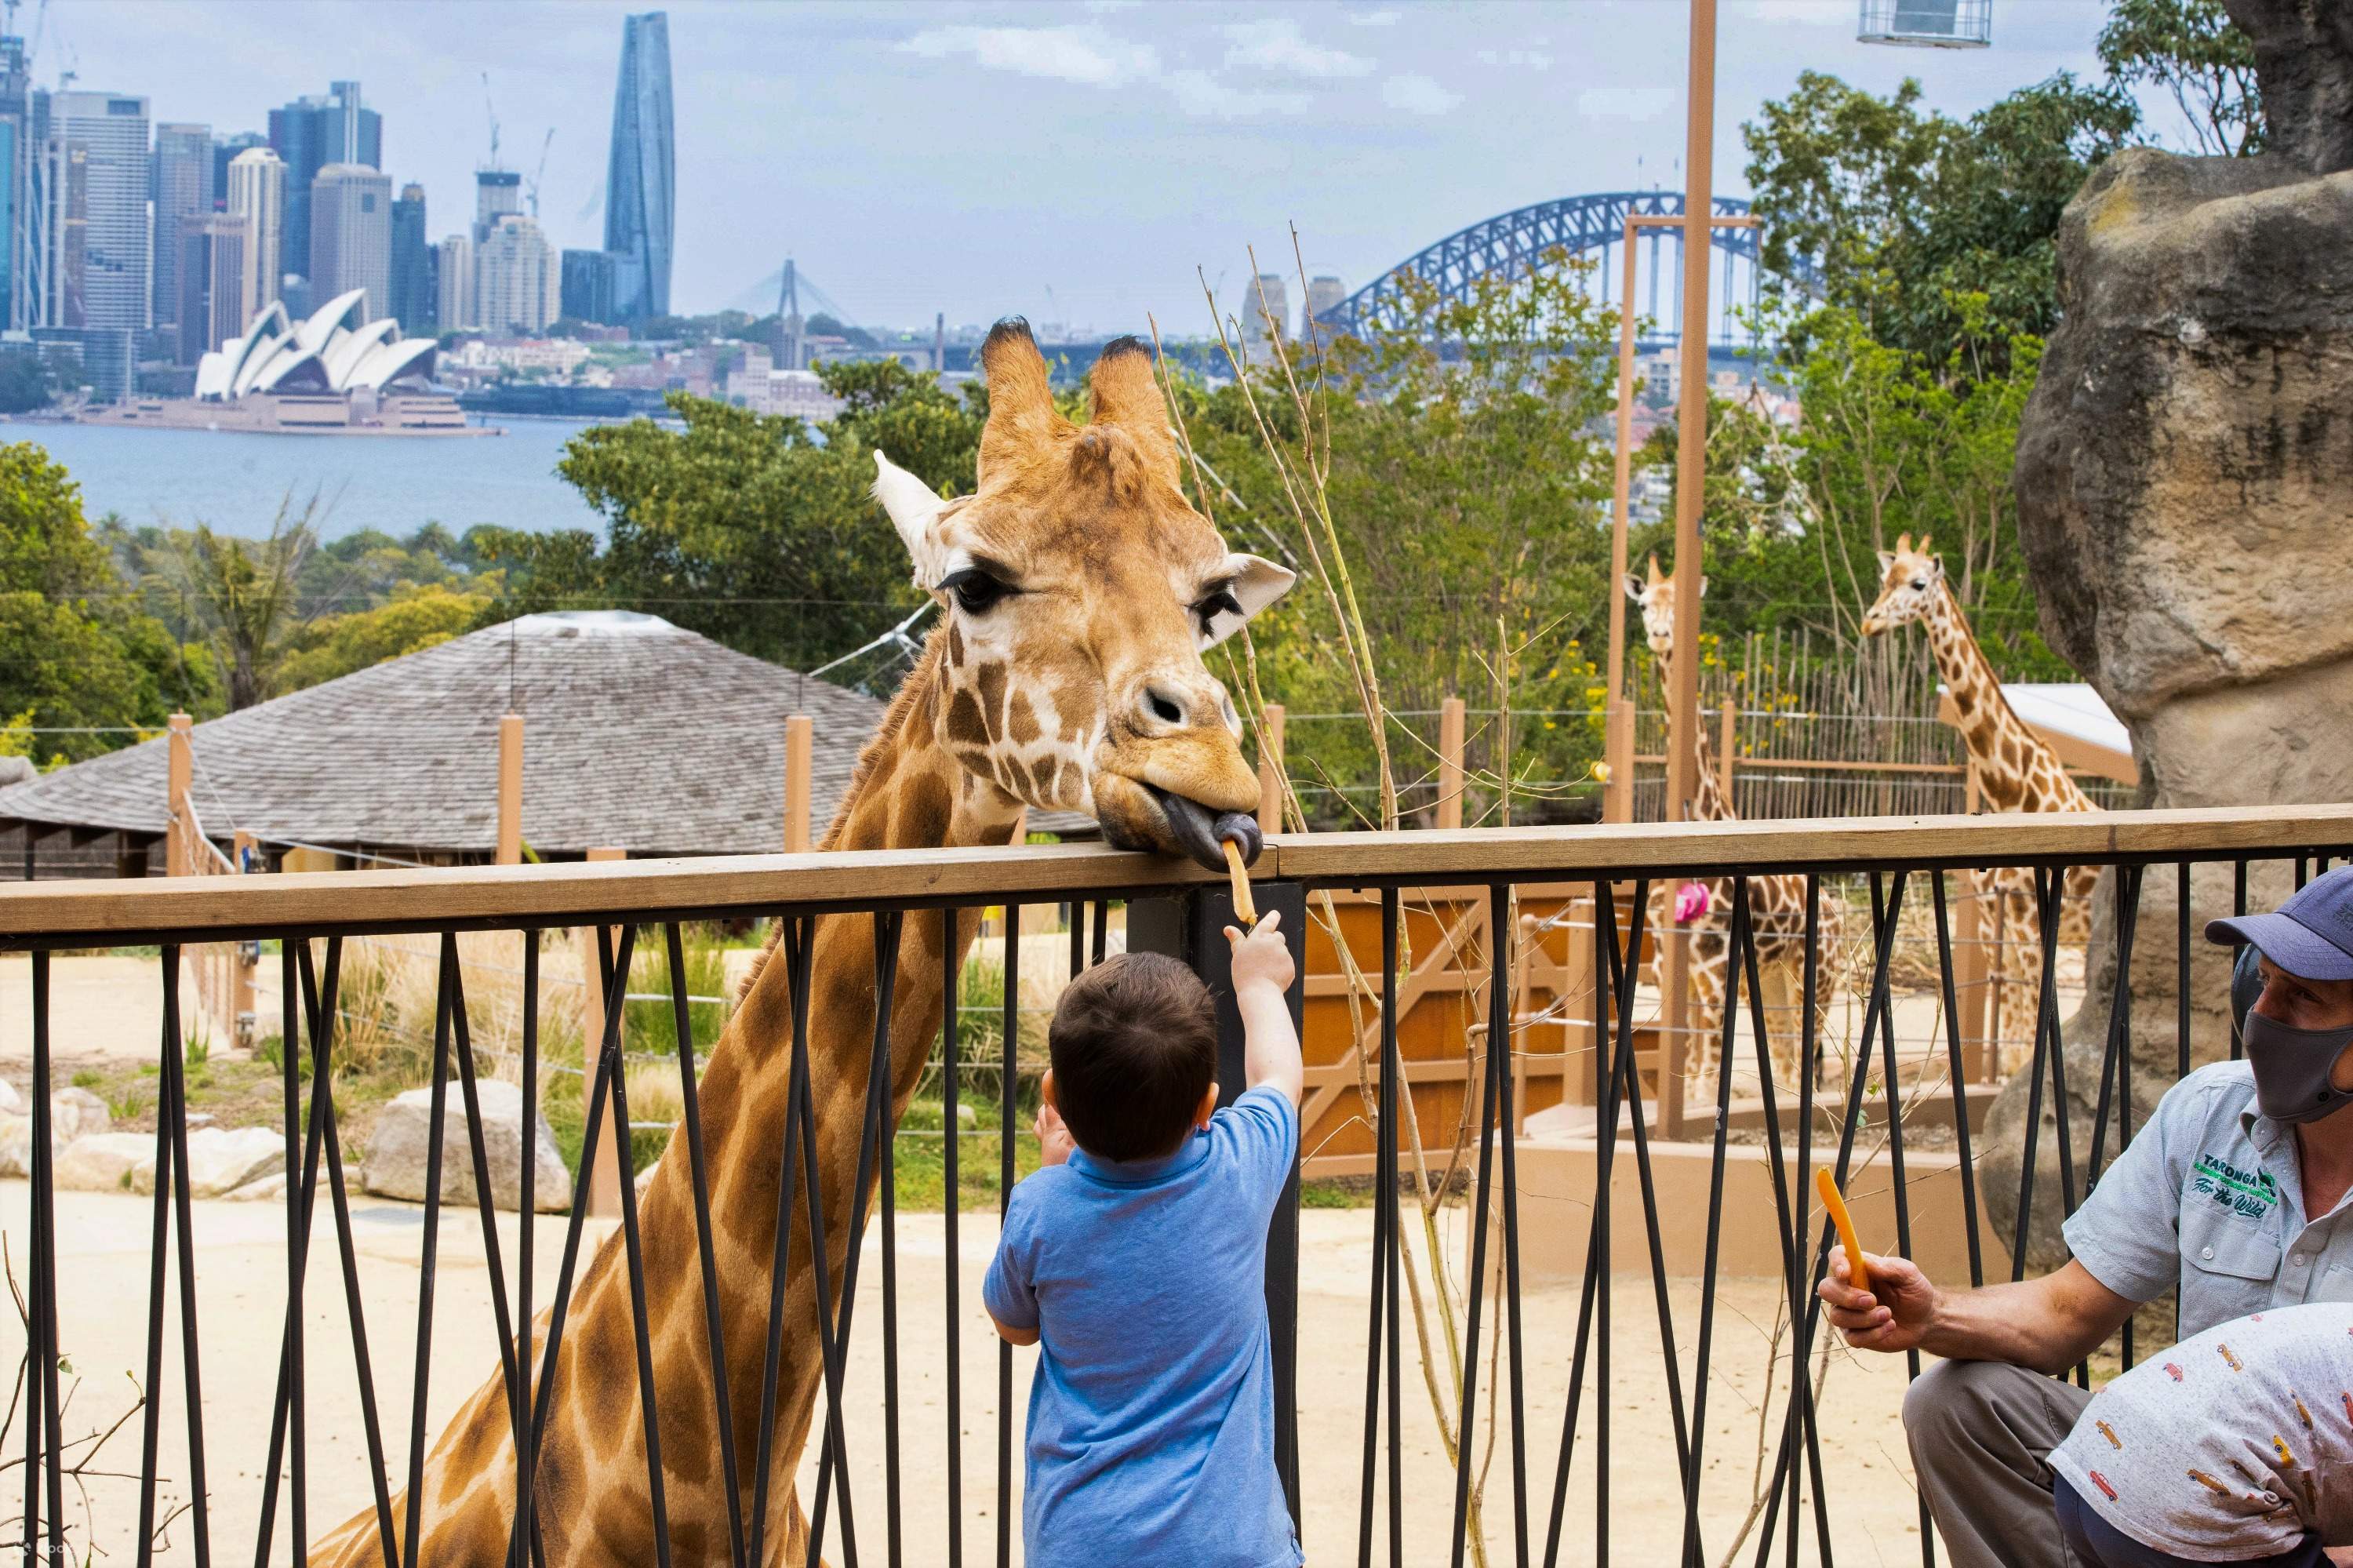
[234, 480]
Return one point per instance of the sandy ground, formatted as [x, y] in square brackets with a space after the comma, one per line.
[102, 1241]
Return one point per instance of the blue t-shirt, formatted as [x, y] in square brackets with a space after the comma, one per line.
[1152, 1416]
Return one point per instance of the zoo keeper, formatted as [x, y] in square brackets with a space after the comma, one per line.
[2235, 1189]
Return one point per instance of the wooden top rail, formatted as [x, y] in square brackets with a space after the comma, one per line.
[217, 908]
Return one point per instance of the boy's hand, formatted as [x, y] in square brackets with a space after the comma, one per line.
[1262, 958]
[1894, 1314]
[1054, 1140]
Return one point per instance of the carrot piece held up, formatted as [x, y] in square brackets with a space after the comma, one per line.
[1245, 908]
[1835, 1206]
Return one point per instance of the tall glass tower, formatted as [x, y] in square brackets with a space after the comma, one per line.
[640, 200]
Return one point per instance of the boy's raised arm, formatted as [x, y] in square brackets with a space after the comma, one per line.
[1262, 976]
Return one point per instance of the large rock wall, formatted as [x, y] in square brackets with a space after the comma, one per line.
[2185, 485]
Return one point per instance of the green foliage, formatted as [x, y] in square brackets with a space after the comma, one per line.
[2191, 51]
[417, 617]
[749, 529]
[1468, 485]
[1906, 212]
[24, 384]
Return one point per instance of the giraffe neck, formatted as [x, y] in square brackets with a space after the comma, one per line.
[2017, 770]
[1708, 804]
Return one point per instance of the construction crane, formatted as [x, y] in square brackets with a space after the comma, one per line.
[530, 189]
[491, 109]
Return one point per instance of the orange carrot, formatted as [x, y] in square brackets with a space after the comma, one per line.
[1245, 909]
[1835, 1206]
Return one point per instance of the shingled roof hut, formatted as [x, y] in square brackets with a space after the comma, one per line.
[637, 734]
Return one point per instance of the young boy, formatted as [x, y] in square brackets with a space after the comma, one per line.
[2235, 1445]
[1137, 1256]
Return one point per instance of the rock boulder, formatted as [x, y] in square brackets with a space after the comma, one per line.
[2185, 472]
[398, 1147]
[102, 1162]
[73, 1113]
[221, 1160]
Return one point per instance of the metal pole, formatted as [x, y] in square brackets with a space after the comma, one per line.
[1618, 717]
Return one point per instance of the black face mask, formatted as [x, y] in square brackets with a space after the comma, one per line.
[2292, 1066]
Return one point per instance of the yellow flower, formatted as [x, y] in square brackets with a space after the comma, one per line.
[1601, 772]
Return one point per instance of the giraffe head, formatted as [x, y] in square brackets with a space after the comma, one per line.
[1081, 591]
[1908, 589]
[1656, 595]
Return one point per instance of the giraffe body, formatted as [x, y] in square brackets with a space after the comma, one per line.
[1777, 903]
[1080, 592]
[2016, 771]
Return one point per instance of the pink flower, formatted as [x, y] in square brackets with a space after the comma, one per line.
[1692, 901]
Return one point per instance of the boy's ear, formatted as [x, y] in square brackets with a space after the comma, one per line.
[1209, 1106]
[1046, 1087]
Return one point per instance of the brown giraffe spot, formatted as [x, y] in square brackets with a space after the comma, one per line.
[992, 689]
[922, 811]
[1020, 720]
[955, 644]
[968, 727]
[1046, 774]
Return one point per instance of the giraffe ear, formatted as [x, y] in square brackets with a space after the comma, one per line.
[1886, 560]
[1703, 586]
[1021, 416]
[1926, 548]
[1121, 391]
[915, 512]
[1635, 587]
[1255, 582]
[1903, 544]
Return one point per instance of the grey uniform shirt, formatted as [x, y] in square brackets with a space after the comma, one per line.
[2236, 1443]
[2209, 1195]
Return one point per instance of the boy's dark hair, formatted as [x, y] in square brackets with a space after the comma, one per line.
[1134, 1045]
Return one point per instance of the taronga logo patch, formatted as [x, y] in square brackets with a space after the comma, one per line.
[2248, 1192]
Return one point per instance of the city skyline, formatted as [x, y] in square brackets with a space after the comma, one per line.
[1071, 163]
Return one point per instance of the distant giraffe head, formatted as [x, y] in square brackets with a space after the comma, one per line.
[1656, 597]
[1082, 591]
[1908, 587]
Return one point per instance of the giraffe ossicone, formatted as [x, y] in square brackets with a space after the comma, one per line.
[1080, 591]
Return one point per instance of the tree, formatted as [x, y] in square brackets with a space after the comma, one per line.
[749, 529]
[2193, 52]
[417, 615]
[1904, 211]
[245, 592]
[24, 384]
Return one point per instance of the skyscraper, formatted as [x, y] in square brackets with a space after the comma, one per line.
[1266, 314]
[225, 151]
[497, 191]
[351, 235]
[518, 277]
[310, 133]
[588, 285]
[183, 193]
[256, 198]
[109, 129]
[18, 232]
[639, 192]
[211, 275]
[454, 297]
[412, 271]
[1322, 293]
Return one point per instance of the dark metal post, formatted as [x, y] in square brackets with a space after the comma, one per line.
[1191, 926]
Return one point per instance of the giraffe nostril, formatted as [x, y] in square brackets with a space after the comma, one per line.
[1164, 707]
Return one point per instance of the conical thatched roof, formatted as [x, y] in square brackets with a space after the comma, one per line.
[635, 733]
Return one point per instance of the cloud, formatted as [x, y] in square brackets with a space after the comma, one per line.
[1374, 19]
[1200, 94]
[1417, 94]
[1086, 54]
[1276, 44]
[1529, 59]
[1625, 102]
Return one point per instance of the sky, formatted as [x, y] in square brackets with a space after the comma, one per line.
[1084, 163]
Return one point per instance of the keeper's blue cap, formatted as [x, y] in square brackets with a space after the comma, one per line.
[2310, 936]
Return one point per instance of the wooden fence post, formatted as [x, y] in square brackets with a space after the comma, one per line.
[1618, 756]
[797, 748]
[179, 773]
[1450, 761]
[510, 849]
[605, 1182]
[1723, 756]
[1270, 769]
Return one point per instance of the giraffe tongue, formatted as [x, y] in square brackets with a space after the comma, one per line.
[1202, 835]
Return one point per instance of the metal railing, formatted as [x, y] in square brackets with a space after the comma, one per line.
[703, 1387]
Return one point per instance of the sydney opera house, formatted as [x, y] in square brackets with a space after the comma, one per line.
[327, 352]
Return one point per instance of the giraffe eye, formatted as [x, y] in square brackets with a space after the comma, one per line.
[975, 590]
[1919, 582]
[1219, 602]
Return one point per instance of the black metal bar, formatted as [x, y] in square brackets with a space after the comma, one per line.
[45, 1413]
[1499, 1043]
[1391, 1199]
[889, 1182]
[799, 943]
[1903, 1228]
[526, 1520]
[428, 1258]
[1959, 1077]
[2237, 907]
[714, 1338]
[829, 1346]
[2035, 1077]
[1008, 1080]
[1784, 1219]
[298, 1234]
[1741, 938]
[151, 1417]
[950, 956]
[1384, 1197]
[1467, 1410]
[1102, 927]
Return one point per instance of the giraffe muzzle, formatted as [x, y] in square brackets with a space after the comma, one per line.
[1203, 835]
